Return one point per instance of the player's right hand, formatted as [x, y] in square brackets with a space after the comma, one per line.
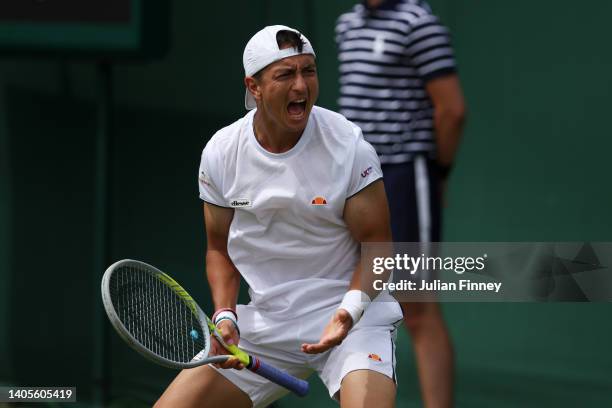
[230, 336]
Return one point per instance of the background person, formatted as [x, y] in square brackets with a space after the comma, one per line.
[398, 82]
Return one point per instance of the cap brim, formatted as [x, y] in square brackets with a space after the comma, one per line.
[249, 101]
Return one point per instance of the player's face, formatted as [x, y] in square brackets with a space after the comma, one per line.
[288, 90]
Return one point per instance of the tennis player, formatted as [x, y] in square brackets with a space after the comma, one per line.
[290, 191]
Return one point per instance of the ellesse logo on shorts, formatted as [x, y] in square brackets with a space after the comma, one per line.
[240, 203]
[375, 357]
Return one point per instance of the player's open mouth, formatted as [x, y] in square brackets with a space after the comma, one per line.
[297, 108]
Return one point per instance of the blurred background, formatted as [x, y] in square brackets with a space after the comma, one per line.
[100, 146]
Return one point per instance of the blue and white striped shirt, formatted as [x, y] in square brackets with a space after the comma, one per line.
[386, 57]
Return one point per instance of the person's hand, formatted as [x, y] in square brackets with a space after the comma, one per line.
[333, 334]
[230, 336]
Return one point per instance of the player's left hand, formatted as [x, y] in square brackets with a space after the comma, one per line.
[230, 336]
[333, 334]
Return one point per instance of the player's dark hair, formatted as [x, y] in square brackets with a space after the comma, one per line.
[285, 39]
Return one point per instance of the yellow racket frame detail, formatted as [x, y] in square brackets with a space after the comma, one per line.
[178, 289]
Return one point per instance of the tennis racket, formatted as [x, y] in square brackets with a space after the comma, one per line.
[158, 319]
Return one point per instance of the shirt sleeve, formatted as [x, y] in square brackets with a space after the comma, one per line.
[429, 48]
[366, 166]
[209, 181]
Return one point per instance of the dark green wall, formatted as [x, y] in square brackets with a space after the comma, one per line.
[533, 166]
[5, 244]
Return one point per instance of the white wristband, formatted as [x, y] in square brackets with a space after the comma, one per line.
[225, 315]
[355, 302]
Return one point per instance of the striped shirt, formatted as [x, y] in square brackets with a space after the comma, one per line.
[386, 56]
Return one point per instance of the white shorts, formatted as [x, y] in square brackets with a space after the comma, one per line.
[369, 346]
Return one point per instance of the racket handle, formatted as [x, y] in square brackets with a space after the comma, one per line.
[293, 384]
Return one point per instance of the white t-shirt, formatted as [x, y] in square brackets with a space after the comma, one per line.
[288, 238]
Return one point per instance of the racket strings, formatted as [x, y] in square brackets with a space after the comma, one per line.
[155, 315]
[172, 327]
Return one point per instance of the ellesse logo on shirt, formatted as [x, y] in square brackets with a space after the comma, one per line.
[240, 203]
[318, 200]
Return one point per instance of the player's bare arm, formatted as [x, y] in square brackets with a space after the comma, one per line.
[367, 217]
[223, 278]
[449, 115]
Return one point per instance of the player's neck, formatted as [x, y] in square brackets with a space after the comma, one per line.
[374, 3]
[273, 138]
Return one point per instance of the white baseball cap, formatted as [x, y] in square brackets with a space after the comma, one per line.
[262, 50]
